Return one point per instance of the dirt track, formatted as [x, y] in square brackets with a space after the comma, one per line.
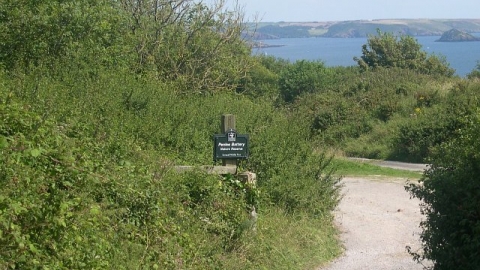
[377, 220]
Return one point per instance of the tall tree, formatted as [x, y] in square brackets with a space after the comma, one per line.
[387, 50]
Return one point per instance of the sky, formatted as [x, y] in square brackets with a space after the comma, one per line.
[343, 10]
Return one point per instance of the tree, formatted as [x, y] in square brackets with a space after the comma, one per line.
[262, 77]
[45, 32]
[387, 50]
[475, 73]
[199, 47]
[189, 42]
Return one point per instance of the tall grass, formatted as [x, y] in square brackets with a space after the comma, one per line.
[283, 242]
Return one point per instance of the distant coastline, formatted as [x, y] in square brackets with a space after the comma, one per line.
[361, 28]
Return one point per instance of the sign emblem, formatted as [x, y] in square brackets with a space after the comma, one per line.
[232, 135]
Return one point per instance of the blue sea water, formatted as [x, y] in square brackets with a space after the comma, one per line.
[462, 56]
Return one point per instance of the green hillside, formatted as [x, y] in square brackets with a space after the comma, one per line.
[363, 28]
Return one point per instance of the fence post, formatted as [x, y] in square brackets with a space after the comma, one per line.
[228, 122]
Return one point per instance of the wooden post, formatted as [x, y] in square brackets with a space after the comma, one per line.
[228, 122]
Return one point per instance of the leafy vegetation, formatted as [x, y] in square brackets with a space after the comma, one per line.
[302, 77]
[99, 100]
[386, 50]
[475, 73]
[450, 196]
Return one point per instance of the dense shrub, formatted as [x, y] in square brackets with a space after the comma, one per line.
[303, 77]
[372, 144]
[475, 73]
[263, 77]
[416, 137]
[387, 50]
[109, 142]
[47, 217]
[70, 201]
[102, 98]
[431, 126]
[302, 184]
[450, 195]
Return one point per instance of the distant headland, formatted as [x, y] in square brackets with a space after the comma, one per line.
[455, 35]
[363, 28]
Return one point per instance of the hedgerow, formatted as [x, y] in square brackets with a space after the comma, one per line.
[449, 191]
[66, 203]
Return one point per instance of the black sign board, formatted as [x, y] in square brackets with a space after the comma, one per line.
[230, 146]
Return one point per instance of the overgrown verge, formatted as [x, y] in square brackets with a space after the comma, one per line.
[390, 113]
[88, 182]
[68, 204]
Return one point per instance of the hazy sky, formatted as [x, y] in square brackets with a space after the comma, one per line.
[339, 10]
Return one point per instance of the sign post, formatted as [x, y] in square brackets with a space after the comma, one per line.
[230, 146]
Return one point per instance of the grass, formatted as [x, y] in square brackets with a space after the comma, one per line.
[285, 241]
[347, 167]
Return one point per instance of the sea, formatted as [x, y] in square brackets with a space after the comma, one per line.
[461, 56]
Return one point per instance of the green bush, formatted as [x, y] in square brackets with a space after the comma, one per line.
[290, 174]
[71, 202]
[47, 217]
[388, 51]
[416, 137]
[262, 79]
[111, 159]
[432, 125]
[373, 144]
[475, 73]
[303, 77]
[449, 191]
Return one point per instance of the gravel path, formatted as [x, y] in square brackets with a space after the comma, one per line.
[377, 220]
